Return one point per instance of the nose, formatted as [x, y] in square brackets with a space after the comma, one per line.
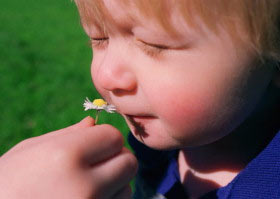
[114, 74]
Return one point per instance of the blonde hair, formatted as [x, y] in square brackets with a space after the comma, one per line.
[259, 18]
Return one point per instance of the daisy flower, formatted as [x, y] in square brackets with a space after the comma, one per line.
[99, 105]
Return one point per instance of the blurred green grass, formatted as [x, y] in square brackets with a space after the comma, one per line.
[44, 70]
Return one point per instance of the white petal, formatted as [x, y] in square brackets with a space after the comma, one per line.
[110, 108]
[88, 105]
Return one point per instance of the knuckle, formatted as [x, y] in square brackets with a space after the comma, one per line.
[114, 136]
[131, 164]
[97, 192]
[59, 154]
[110, 128]
[26, 142]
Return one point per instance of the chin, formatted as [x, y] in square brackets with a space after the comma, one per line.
[155, 136]
[156, 142]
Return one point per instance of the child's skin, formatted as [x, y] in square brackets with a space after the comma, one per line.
[184, 92]
[181, 92]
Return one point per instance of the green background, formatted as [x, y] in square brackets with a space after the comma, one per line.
[44, 70]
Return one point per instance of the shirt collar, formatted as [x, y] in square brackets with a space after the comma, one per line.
[170, 178]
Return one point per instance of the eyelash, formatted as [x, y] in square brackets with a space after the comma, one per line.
[99, 43]
[152, 50]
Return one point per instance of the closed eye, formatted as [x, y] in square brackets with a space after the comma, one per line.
[159, 46]
[152, 50]
[99, 42]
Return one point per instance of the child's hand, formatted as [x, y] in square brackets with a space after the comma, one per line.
[79, 162]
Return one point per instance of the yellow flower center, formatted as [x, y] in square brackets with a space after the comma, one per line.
[99, 102]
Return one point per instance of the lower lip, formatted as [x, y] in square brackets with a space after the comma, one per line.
[141, 119]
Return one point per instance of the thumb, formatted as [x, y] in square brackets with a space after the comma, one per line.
[86, 122]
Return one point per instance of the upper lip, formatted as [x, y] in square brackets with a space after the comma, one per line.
[134, 113]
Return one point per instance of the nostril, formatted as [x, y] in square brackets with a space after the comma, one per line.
[121, 92]
[118, 81]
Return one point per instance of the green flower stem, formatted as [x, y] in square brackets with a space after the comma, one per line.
[96, 117]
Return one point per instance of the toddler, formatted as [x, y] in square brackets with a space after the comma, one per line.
[193, 78]
[196, 82]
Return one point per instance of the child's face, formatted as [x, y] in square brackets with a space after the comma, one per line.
[175, 91]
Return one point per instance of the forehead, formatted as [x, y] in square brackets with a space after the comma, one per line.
[191, 16]
[108, 14]
[119, 13]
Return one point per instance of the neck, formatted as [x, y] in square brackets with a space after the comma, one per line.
[211, 166]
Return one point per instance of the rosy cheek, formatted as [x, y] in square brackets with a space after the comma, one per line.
[185, 112]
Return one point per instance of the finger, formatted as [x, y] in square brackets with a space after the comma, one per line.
[124, 193]
[95, 144]
[85, 123]
[116, 172]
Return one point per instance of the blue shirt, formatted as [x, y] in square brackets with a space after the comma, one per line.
[158, 175]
